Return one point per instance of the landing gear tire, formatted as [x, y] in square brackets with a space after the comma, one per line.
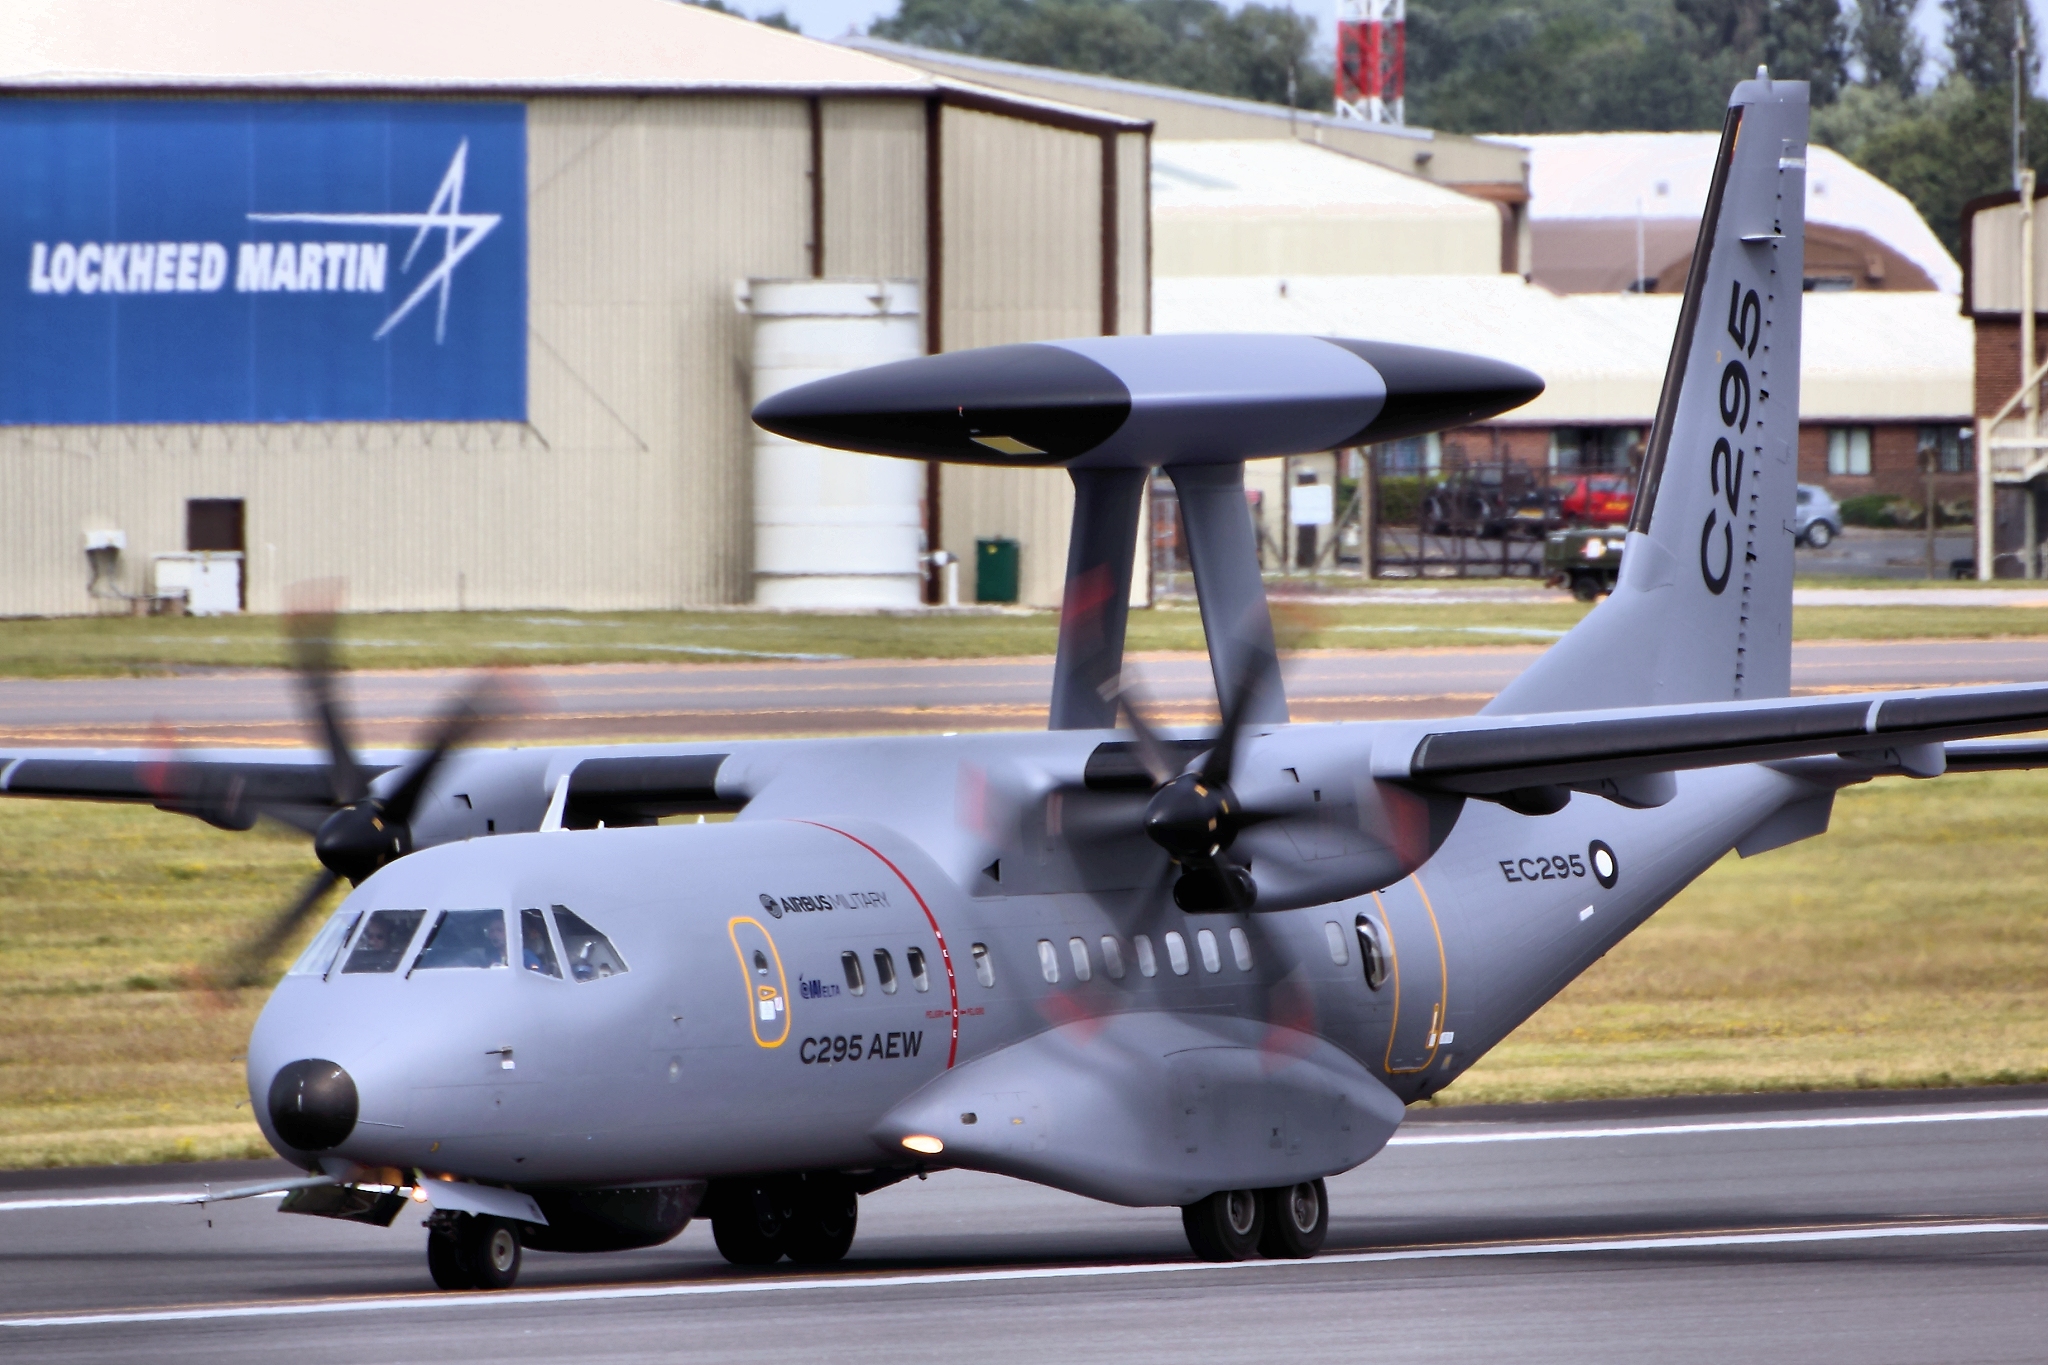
[1226, 1226]
[473, 1252]
[750, 1225]
[1297, 1219]
[822, 1225]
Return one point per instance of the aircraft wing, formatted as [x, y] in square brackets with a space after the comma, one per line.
[1496, 756]
[229, 788]
[1997, 755]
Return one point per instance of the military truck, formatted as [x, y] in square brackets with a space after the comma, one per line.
[1585, 558]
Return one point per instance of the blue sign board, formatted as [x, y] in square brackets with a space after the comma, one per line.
[246, 261]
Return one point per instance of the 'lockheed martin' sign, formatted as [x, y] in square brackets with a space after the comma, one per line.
[243, 261]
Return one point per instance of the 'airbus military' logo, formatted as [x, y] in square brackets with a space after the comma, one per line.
[771, 905]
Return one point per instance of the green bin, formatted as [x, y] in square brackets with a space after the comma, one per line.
[995, 570]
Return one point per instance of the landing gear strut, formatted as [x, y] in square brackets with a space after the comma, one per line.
[1287, 1223]
[472, 1251]
[810, 1219]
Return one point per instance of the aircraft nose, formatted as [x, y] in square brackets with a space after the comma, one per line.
[312, 1104]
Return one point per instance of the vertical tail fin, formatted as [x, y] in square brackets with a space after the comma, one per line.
[1703, 609]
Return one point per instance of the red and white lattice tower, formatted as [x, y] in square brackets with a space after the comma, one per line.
[1372, 49]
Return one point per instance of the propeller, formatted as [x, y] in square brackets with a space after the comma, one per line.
[365, 832]
[1193, 814]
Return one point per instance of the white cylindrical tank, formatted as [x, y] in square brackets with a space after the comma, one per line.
[833, 529]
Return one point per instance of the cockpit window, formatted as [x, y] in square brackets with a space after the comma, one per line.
[591, 955]
[381, 945]
[464, 938]
[318, 959]
[537, 949]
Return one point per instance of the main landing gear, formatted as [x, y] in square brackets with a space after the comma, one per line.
[1288, 1223]
[472, 1251]
[810, 1219]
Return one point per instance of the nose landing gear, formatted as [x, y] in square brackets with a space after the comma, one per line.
[810, 1219]
[1287, 1223]
[472, 1251]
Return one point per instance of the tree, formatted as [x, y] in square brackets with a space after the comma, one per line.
[1808, 40]
[1195, 44]
[1980, 34]
[1885, 46]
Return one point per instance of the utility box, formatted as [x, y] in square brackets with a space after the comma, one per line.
[996, 569]
[210, 581]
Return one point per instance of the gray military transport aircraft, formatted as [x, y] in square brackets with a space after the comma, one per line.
[1149, 967]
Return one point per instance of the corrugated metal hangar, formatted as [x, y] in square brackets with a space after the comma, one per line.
[449, 298]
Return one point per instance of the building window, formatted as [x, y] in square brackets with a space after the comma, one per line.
[1410, 455]
[1848, 451]
[1581, 448]
[1950, 446]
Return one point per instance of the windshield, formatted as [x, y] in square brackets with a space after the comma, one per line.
[381, 945]
[465, 938]
[318, 959]
[591, 955]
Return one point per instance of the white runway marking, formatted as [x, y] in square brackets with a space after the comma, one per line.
[700, 1289]
[116, 1200]
[1728, 1126]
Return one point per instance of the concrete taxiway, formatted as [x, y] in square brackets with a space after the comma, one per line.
[732, 700]
[1813, 1229]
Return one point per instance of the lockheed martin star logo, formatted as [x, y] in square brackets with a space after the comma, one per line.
[461, 233]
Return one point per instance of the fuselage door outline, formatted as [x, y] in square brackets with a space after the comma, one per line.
[767, 996]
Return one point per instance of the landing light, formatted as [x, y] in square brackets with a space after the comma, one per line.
[924, 1143]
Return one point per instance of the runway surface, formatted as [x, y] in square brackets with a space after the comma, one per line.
[1804, 1229]
[727, 700]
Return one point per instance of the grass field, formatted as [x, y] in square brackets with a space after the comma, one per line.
[1909, 947]
[114, 646]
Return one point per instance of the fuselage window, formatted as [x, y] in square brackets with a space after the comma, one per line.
[1211, 959]
[1112, 958]
[1048, 960]
[591, 955]
[318, 959]
[1176, 952]
[1333, 934]
[856, 979]
[381, 946]
[1077, 949]
[1241, 949]
[760, 964]
[1373, 949]
[920, 977]
[885, 971]
[1148, 964]
[984, 970]
[537, 950]
[464, 938]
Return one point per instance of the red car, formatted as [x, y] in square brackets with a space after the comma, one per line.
[1598, 500]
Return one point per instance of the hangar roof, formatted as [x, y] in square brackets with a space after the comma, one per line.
[1867, 357]
[1582, 176]
[420, 45]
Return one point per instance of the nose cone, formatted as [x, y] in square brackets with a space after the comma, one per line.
[1021, 404]
[1432, 390]
[312, 1105]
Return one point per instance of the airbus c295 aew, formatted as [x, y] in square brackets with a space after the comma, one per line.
[1153, 968]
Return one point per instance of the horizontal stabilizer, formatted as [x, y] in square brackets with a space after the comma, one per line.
[1490, 760]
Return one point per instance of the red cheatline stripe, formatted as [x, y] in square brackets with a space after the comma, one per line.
[945, 954]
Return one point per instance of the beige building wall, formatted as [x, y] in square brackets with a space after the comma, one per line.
[1025, 251]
